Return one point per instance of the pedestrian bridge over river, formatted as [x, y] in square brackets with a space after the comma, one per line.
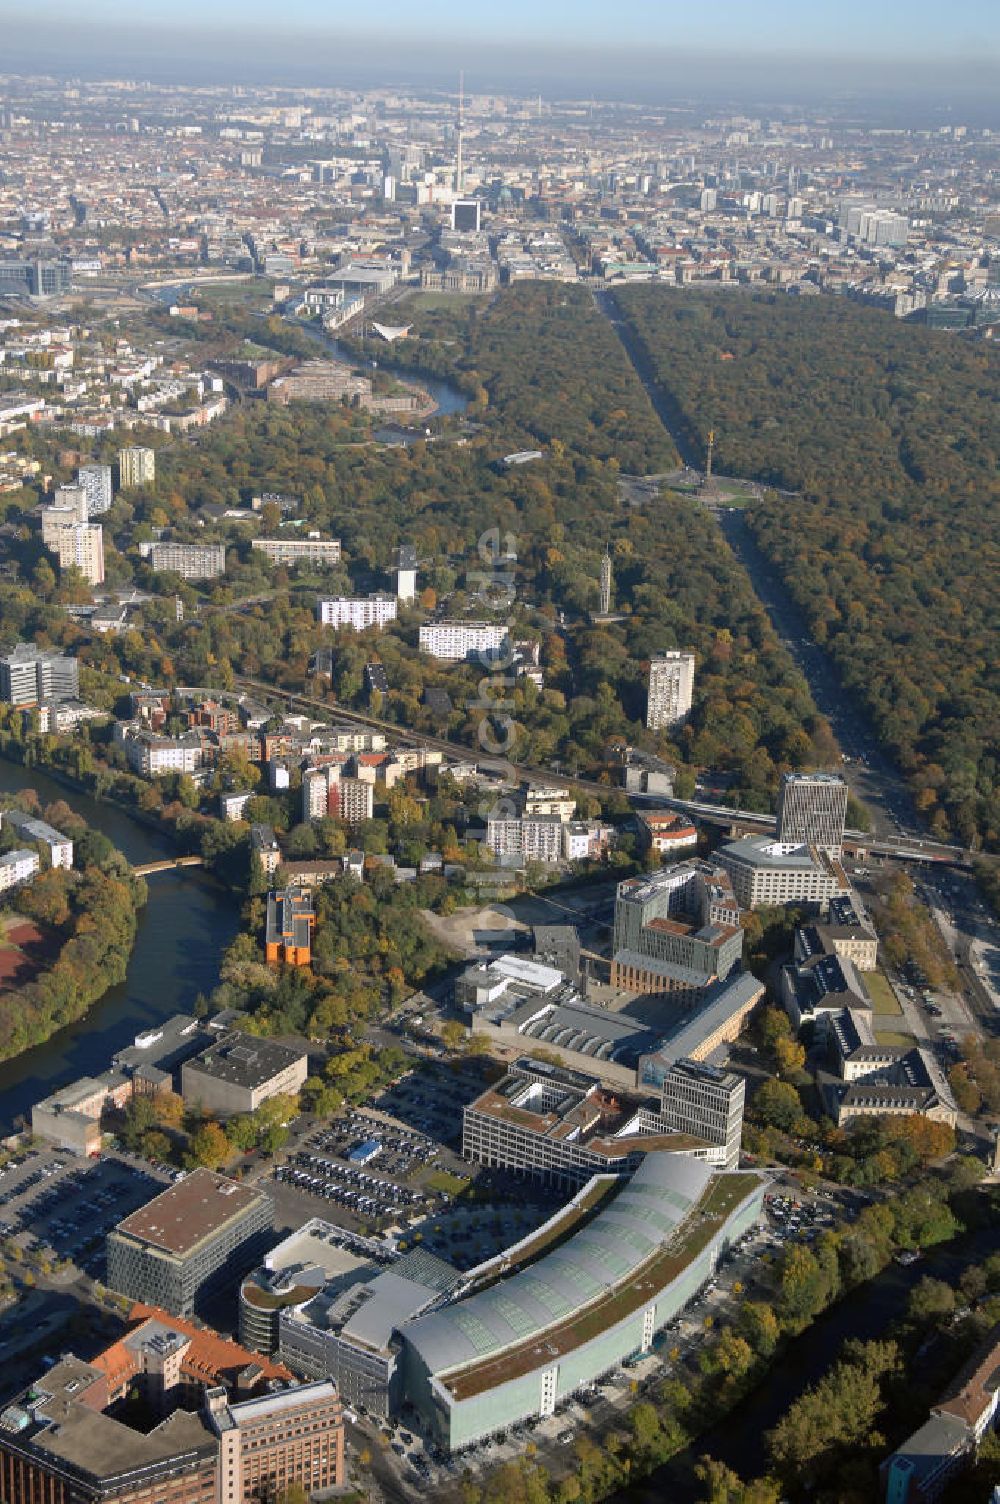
[169, 865]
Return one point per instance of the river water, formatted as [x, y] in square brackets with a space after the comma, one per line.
[448, 398]
[183, 929]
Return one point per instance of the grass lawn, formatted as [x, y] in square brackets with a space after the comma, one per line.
[448, 1185]
[893, 1036]
[883, 998]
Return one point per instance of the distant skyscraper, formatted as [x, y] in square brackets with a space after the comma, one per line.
[606, 583]
[671, 684]
[812, 809]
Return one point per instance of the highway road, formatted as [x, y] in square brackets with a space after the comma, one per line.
[869, 773]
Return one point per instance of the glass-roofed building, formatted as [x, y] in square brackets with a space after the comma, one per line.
[516, 1349]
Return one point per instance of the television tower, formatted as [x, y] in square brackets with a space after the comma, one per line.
[459, 174]
[606, 582]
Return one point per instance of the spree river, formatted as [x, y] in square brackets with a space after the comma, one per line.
[184, 927]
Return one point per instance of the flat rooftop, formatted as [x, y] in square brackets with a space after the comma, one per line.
[245, 1060]
[183, 1215]
[90, 1442]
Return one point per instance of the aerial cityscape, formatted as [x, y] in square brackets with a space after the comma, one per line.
[500, 755]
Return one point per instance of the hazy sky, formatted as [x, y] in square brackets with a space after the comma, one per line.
[911, 27]
[918, 48]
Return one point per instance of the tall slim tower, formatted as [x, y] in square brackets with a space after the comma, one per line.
[708, 460]
[812, 807]
[459, 173]
[606, 582]
[671, 684]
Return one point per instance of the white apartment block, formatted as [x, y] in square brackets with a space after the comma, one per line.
[149, 756]
[317, 786]
[457, 640]
[192, 561]
[359, 612]
[671, 685]
[136, 466]
[17, 867]
[81, 546]
[529, 838]
[95, 482]
[60, 847]
[325, 551]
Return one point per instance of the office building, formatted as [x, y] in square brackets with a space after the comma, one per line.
[37, 278]
[213, 1435]
[31, 676]
[194, 1238]
[766, 871]
[845, 932]
[276, 1440]
[136, 466]
[17, 867]
[95, 482]
[58, 846]
[820, 984]
[467, 216]
[671, 685]
[812, 811]
[324, 552]
[563, 1127]
[513, 1351]
[457, 641]
[663, 941]
[703, 1100]
[291, 920]
[717, 1019]
[192, 561]
[240, 1072]
[357, 612]
[331, 1303]
[166, 1356]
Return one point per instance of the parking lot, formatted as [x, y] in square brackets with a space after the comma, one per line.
[50, 1199]
[430, 1101]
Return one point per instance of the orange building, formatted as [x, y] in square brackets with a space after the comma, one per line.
[291, 920]
[177, 1357]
